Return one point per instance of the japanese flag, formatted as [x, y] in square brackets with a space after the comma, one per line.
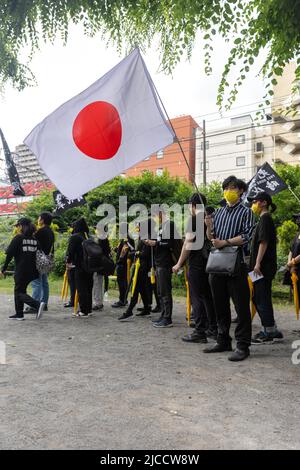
[103, 131]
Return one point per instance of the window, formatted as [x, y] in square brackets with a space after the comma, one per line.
[147, 158]
[206, 145]
[202, 166]
[240, 139]
[240, 161]
[159, 172]
[160, 154]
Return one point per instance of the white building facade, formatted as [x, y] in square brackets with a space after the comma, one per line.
[239, 149]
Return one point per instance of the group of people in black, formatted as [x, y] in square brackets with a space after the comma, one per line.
[156, 258]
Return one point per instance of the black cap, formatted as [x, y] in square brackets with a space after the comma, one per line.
[23, 221]
[262, 196]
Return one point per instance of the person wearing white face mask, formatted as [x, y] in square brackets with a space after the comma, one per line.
[263, 261]
[231, 226]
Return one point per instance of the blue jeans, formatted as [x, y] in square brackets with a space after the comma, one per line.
[40, 289]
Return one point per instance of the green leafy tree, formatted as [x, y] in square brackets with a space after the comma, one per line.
[251, 26]
[286, 233]
[287, 204]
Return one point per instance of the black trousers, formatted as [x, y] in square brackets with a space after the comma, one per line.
[72, 284]
[140, 288]
[122, 281]
[21, 296]
[153, 290]
[84, 286]
[202, 302]
[223, 288]
[263, 301]
[164, 287]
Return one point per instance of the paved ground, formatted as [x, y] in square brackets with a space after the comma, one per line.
[97, 384]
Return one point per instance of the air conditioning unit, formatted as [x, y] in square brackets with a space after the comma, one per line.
[258, 147]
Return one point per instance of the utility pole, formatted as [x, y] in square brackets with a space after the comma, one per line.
[204, 152]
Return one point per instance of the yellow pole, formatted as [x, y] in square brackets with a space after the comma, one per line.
[63, 290]
[296, 294]
[136, 270]
[252, 306]
[128, 270]
[76, 302]
[188, 298]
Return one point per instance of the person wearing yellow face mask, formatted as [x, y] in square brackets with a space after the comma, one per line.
[263, 262]
[231, 225]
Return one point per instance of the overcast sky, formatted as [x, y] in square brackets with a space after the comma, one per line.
[64, 71]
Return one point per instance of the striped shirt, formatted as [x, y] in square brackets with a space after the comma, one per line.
[230, 222]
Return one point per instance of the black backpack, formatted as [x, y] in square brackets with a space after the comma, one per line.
[94, 261]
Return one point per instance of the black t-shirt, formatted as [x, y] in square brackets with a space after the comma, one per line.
[265, 231]
[23, 250]
[165, 245]
[196, 257]
[45, 237]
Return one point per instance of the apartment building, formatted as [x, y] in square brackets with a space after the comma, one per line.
[27, 165]
[171, 158]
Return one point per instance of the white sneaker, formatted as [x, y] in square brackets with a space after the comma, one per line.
[40, 310]
[75, 315]
[84, 315]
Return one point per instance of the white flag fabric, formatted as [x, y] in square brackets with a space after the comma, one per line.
[112, 125]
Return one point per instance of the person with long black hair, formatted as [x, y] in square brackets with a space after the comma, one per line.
[83, 279]
[23, 248]
[263, 261]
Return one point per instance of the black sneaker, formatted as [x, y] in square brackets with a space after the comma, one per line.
[68, 305]
[157, 309]
[126, 316]
[97, 307]
[164, 323]
[157, 319]
[30, 310]
[17, 317]
[218, 348]
[194, 338]
[267, 338]
[211, 334]
[143, 313]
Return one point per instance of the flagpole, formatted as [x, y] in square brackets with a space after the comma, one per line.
[192, 176]
[295, 195]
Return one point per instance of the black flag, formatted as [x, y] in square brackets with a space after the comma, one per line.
[62, 203]
[266, 179]
[11, 169]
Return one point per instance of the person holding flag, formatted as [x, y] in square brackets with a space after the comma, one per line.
[263, 261]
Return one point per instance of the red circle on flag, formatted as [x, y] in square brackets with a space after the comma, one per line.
[97, 130]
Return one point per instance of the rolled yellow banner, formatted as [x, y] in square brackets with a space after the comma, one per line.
[252, 306]
[128, 270]
[152, 276]
[76, 302]
[188, 297]
[136, 271]
[296, 294]
[65, 282]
